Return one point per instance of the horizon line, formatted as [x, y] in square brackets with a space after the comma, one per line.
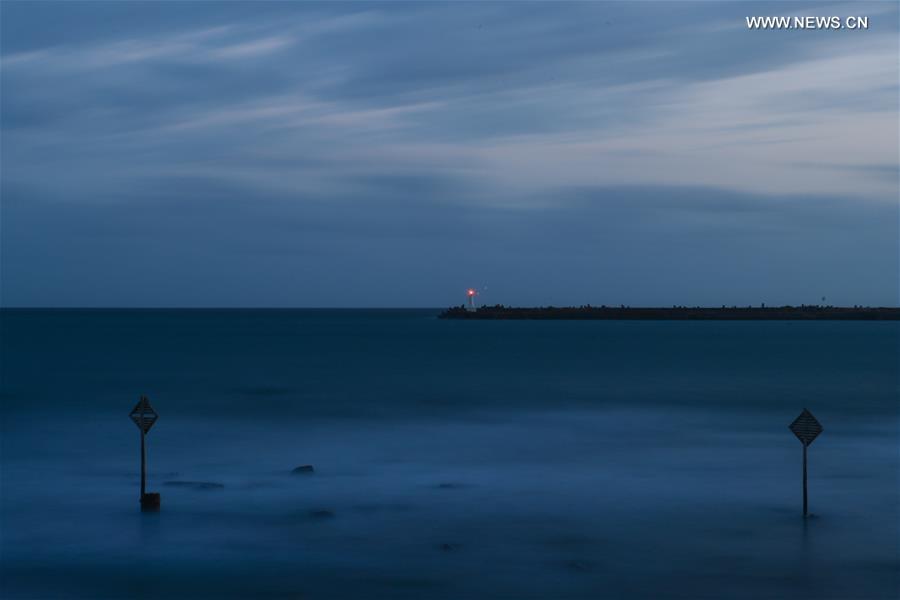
[615, 306]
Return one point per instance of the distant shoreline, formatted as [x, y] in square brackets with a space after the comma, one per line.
[679, 313]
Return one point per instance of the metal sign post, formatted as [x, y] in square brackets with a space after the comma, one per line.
[807, 428]
[144, 417]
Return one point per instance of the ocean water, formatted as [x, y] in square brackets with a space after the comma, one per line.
[454, 459]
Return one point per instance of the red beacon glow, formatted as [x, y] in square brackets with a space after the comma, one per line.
[471, 292]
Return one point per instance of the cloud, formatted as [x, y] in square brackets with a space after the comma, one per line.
[253, 48]
[619, 244]
[370, 123]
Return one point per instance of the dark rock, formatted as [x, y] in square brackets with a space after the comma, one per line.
[449, 547]
[196, 485]
[321, 514]
[374, 507]
[303, 470]
[578, 565]
[450, 486]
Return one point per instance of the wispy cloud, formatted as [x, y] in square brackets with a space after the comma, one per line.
[220, 43]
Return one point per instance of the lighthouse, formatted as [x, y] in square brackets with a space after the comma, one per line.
[470, 295]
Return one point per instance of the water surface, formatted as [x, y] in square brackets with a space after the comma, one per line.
[454, 459]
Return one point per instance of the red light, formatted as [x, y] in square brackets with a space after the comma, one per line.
[471, 292]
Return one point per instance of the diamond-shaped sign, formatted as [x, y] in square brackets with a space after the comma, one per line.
[806, 427]
[143, 415]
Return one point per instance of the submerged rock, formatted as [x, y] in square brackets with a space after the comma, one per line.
[321, 514]
[303, 470]
[196, 485]
[375, 507]
[450, 486]
[578, 565]
[449, 547]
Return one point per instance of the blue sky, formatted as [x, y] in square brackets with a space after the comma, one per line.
[372, 154]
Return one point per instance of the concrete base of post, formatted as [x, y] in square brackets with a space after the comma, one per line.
[150, 502]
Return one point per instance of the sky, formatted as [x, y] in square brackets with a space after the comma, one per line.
[368, 154]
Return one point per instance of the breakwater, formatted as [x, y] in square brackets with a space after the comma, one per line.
[677, 313]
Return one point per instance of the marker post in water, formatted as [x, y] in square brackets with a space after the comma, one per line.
[807, 428]
[144, 417]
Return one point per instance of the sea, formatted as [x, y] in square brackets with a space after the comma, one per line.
[452, 459]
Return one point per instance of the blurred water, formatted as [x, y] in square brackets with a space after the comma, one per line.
[455, 459]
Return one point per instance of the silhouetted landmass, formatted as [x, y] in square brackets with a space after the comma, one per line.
[678, 313]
